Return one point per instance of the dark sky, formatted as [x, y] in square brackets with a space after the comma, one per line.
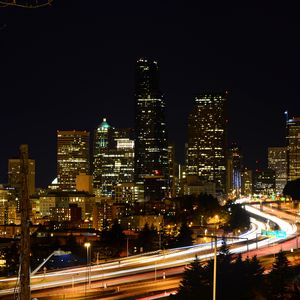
[69, 65]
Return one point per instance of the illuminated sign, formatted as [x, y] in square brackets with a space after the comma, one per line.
[274, 233]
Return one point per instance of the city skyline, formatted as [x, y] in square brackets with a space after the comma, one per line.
[70, 73]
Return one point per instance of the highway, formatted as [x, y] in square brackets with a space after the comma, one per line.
[160, 263]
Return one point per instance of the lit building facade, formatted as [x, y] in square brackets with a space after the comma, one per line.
[8, 207]
[234, 171]
[100, 147]
[151, 146]
[173, 172]
[263, 182]
[72, 157]
[277, 161]
[15, 178]
[125, 193]
[113, 158]
[247, 182]
[55, 203]
[293, 148]
[206, 151]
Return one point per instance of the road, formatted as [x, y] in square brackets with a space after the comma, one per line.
[136, 268]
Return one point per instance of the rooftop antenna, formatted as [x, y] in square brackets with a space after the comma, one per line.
[25, 3]
[286, 115]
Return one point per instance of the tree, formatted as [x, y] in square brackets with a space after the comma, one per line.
[12, 258]
[148, 238]
[184, 237]
[194, 284]
[248, 276]
[278, 277]
[236, 279]
[292, 189]
[239, 217]
[113, 240]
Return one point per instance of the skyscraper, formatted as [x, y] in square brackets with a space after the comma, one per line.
[206, 152]
[151, 146]
[234, 170]
[101, 137]
[293, 148]
[72, 157]
[277, 162]
[14, 174]
[113, 157]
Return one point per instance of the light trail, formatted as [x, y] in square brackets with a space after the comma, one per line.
[163, 259]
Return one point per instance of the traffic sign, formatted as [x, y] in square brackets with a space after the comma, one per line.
[274, 233]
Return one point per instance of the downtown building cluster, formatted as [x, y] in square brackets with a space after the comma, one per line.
[114, 173]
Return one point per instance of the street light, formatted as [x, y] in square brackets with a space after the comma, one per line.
[88, 262]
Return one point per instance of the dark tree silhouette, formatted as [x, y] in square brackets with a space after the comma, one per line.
[236, 279]
[239, 218]
[113, 240]
[248, 278]
[148, 238]
[184, 237]
[292, 189]
[194, 284]
[278, 277]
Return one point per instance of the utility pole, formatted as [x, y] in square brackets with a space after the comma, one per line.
[25, 222]
[215, 271]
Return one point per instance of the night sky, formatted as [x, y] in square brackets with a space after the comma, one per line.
[69, 65]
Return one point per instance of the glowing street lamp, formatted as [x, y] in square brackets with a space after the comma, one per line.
[88, 262]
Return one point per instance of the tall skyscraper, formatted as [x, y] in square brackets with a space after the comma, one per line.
[14, 174]
[293, 148]
[151, 146]
[173, 172]
[234, 170]
[206, 152]
[100, 147]
[113, 158]
[247, 182]
[72, 157]
[277, 161]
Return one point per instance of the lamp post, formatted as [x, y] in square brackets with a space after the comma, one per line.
[88, 262]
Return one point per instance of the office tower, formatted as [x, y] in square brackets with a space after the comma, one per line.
[72, 157]
[173, 172]
[151, 147]
[101, 136]
[234, 170]
[246, 182]
[293, 148]
[113, 158]
[263, 182]
[15, 178]
[206, 151]
[277, 161]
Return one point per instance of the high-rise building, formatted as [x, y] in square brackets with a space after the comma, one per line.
[101, 137]
[263, 182]
[277, 161]
[293, 148]
[72, 157]
[15, 176]
[151, 146]
[247, 180]
[206, 151]
[173, 172]
[234, 170]
[113, 158]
